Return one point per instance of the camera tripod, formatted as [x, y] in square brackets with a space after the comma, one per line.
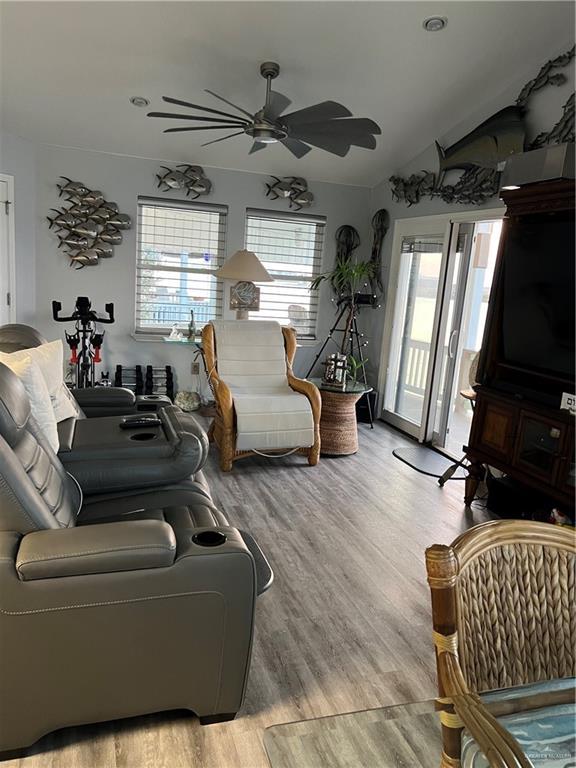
[354, 344]
[85, 343]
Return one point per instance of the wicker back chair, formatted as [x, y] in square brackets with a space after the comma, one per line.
[503, 597]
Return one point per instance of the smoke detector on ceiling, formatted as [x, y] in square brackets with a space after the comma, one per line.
[435, 23]
[139, 101]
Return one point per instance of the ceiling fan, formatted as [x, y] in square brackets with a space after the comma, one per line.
[328, 125]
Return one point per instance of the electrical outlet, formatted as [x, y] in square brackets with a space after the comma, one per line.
[195, 369]
[568, 402]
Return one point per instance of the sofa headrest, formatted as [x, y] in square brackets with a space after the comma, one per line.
[14, 406]
[15, 337]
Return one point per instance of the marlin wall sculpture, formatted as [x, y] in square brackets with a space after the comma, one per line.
[482, 152]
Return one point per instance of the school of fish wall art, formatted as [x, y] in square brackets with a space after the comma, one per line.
[482, 152]
[88, 227]
[189, 178]
[291, 188]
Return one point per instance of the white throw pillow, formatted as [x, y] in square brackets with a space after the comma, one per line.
[50, 359]
[30, 375]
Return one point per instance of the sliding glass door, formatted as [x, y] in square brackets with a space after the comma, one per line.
[421, 262]
[441, 272]
[463, 332]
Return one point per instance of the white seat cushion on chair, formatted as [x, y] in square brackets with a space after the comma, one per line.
[251, 360]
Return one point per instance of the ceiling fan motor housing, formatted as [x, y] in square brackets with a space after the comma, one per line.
[270, 69]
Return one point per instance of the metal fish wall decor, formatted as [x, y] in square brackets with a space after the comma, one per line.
[481, 153]
[89, 227]
[291, 188]
[189, 178]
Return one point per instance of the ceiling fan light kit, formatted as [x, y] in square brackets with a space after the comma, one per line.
[328, 125]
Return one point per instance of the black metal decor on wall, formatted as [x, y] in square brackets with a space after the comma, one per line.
[89, 227]
[480, 154]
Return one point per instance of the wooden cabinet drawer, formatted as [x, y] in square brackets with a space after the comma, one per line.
[494, 428]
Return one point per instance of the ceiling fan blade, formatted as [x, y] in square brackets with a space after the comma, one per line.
[172, 116]
[222, 138]
[365, 140]
[276, 105]
[199, 106]
[257, 146]
[298, 148]
[326, 110]
[230, 104]
[334, 144]
[199, 128]
[355, 126]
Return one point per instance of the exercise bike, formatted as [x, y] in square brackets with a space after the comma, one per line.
[86, 342]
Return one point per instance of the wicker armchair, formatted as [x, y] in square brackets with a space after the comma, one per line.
[223, 430]
[503, 615]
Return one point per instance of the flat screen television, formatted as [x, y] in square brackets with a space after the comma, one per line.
[538, 299]
[537, 288]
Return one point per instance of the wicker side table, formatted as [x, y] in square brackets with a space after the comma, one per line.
[338, 427]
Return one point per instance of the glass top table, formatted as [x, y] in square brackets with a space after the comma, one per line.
[351, 388]
[404, 736]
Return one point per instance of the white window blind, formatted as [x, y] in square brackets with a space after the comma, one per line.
[180, 246]
[290, 247]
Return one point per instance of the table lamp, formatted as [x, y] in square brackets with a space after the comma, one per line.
[246, 268]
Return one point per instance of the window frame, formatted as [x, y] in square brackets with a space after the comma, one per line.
[319, 241]
[143, 332]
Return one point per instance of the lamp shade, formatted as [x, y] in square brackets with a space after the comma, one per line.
[244, 265]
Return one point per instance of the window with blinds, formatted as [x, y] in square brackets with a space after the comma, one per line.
[290, 247]
[180, 246]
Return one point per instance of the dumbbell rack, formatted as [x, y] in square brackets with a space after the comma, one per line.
[146, 380]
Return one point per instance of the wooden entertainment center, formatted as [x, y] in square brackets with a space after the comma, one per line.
[518, 426]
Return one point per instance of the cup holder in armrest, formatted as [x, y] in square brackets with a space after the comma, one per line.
[143, 436]
[209, 538]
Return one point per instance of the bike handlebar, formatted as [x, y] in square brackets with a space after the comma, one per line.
[89, 316]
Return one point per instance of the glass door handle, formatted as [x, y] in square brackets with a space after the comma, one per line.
[453, 335]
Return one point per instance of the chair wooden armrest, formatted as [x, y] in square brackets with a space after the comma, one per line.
[309, 389]
[500, 747]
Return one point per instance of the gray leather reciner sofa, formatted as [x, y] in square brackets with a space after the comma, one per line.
[142, 600]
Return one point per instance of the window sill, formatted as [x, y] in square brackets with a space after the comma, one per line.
[154, 337]
[157, 337]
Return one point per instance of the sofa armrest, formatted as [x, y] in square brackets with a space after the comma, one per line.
[105, 401]
[106, 548]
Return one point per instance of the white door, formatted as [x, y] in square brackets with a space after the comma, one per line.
[6, 251]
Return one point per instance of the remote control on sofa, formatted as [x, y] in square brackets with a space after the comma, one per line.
[137, 422]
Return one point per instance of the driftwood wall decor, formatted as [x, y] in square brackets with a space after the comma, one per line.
[291, 188]
[480, 154]
[189, 178]
[89, 226]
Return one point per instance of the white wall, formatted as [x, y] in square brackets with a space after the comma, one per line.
[123, 179]
[17, 158]
[545, 109]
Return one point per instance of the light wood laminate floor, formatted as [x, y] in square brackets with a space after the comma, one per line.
[345, 626]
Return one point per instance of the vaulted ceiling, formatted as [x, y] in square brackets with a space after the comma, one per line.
[68, 70]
